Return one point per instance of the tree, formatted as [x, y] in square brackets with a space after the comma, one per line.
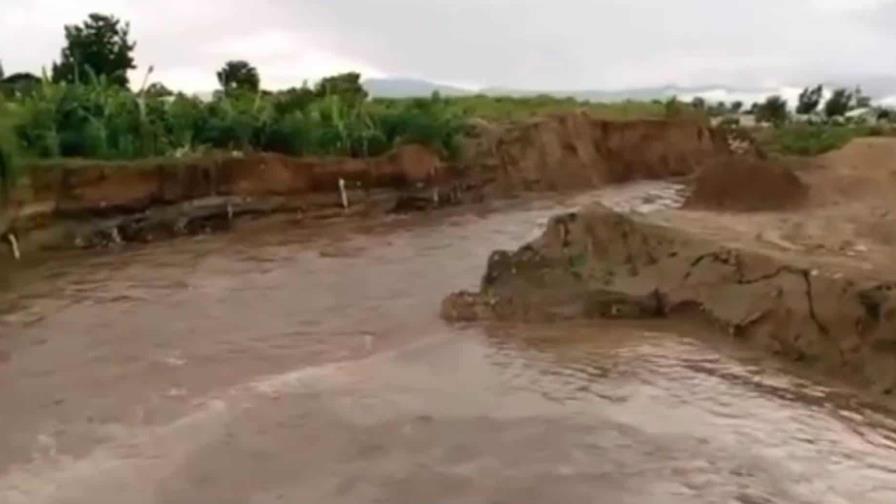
[716, 109]
[347, 86]
[100, 46]
[736, 107]
[860, 99]
[293, 99]
[22, 78]
[672, 108]
[158, 90]
[809, 100]
[239, 75]
[20, 83]
[2, 74]
[698, 103]
[839, 102]
[772, 110]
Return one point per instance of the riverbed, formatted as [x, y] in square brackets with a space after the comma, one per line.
[289, 361]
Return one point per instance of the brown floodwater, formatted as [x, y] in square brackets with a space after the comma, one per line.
[288, 362]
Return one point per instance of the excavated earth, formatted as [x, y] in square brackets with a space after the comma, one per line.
[814, 283]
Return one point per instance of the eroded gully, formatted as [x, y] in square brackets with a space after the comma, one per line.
[287, 363]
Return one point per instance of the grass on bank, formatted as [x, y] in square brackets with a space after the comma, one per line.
[500, 108]
[812, 140]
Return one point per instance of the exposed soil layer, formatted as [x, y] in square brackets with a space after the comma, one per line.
[146, 200]
[89, 188]
[815, 283]
[863, 170]
[743, 183]
[575, 151]
[834, 311]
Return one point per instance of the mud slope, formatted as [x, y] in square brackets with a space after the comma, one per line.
[834, 312]
[575, 151]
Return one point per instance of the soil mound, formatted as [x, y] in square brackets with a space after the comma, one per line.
[865, 168]
[747, 184]
[824, 309]
[576, 151]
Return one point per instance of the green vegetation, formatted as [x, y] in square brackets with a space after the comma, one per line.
[812, 139]
[9, 147]
[838, 104]
[820, 121]
[773, 110]
[809, 100]
[502, 108]
[239, 76]
[86, 109]
[100, 46]
[105, 121]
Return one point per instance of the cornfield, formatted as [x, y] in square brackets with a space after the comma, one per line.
[99, 120]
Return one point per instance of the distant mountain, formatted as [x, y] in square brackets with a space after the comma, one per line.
[711, 93]
[409, 88]
[881, 88]
[583, 94]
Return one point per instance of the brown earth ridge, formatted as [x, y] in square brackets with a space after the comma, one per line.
[139, 201]
[814, 283]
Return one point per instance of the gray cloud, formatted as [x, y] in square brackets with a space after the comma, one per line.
[521, 43]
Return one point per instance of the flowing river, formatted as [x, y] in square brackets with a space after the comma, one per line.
[307, 364]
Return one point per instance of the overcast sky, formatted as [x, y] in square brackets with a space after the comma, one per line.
[544, 44]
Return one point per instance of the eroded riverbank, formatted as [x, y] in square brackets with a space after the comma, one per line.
[281, 363]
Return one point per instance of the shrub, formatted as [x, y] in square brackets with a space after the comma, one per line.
[812, 140]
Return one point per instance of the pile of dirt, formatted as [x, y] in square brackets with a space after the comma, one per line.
[742, 183]
[865, 168]
[824, 309]
[576, 151]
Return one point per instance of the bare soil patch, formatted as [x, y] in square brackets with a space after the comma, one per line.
[747, 184]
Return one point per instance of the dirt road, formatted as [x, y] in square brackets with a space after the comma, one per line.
[286, 364]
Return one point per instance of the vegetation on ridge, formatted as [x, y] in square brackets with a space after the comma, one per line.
[86, 108]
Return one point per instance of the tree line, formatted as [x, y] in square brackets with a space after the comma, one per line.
[775, 109]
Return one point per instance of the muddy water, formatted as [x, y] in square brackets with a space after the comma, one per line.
[294, 363]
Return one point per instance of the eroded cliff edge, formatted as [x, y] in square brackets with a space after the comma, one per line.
[832, 310]
[91, 203]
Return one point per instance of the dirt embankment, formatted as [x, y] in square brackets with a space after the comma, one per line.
[88, 203]
[575, 152]
[830, 311]
[865, 169]
[815, 283]
[88, 188]
[146, 200]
